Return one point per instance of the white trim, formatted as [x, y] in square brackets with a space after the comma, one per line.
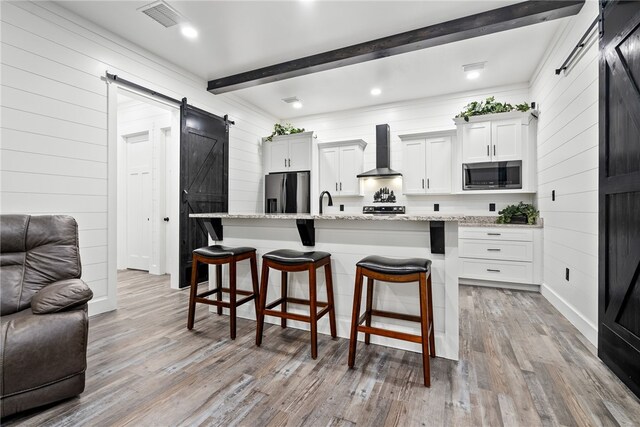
[502, 285]
[578, 320]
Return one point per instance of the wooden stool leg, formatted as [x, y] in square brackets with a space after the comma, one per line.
[192, 295]
[367, 337]
[314, 311]
[232, 298]
[284, 288]
[424, 327]
[254, 282]
[219, 285]
[432, 326]
[355, 315]
[264, 280]
[332, 311]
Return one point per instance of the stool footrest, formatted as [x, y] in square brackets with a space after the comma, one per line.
[398, 316]
[226, 290]
[292, 316]
[224, 304]
[390, 334]
[294, 301]
[274, 303]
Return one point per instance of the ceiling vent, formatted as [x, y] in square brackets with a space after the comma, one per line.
[162, 13]
[291, 99]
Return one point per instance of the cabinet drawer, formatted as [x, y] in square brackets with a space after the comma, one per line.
[499, 271]
[497, 233]
[496, 249]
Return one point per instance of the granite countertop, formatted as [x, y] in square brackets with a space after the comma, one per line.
[464, 220]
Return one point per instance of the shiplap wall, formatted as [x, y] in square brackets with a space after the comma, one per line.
[568, 164]
[415, 116]
[54, 153]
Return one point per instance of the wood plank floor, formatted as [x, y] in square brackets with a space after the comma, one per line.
[521, 363]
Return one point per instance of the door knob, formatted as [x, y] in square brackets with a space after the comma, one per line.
[166, 219]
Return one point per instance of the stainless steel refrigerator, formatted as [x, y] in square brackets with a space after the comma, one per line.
[287, 192]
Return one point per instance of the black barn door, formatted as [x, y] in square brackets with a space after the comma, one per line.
[204, 178]
[619, 234]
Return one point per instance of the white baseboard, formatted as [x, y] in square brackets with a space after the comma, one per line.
[587, 328]
[501, 285]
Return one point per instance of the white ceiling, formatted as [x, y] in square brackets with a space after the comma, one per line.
[237, 36]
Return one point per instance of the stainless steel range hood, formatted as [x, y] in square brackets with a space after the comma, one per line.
[383, 155]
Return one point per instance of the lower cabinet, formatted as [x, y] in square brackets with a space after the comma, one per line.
[505, 255]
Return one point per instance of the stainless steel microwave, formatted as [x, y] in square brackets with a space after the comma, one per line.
[492, 176]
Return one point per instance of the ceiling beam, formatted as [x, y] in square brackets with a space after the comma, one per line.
[492, 21]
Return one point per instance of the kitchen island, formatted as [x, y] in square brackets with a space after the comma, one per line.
[349, 238]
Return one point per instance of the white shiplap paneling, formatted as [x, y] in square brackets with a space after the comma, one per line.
[568, 164]
[54, 155]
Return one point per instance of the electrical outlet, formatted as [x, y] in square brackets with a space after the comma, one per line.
[492, 207]
[341, 208]
[566, 274]
[436, 207]
[553, 195]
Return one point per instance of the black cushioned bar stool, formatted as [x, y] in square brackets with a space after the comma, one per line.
[394, 270]
[286, 260]
[219, 255]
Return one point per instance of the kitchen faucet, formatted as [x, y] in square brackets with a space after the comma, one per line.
[322, 196]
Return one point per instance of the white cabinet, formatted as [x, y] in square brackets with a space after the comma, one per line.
[510, 255]
[476, 145]
[288, 153]
[427, 163]
[495, 137]
[340, 163]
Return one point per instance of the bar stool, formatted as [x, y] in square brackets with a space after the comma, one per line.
[219, 255]
[286, 260]
[394, 270]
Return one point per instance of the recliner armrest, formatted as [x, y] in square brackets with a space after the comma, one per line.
[61, 296]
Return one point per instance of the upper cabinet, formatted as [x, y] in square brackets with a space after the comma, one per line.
[427, 163]
[500, 137]
[340, 162]
[288, 153]
[494, 137]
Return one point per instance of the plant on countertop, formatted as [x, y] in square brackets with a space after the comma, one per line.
[490, 106]
[285, 129]
[519, 210]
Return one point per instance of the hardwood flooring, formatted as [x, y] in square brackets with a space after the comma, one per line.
[521, 363]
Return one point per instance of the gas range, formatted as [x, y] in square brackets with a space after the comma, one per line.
[383, 210]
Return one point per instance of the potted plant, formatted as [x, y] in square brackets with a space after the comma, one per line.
[490, 106]
[285, 129]
[522, 213]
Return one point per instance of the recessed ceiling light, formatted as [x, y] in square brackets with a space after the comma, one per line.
[297, 105]
[472, 75]
[473, 70]
[376, 91]
[189, 32]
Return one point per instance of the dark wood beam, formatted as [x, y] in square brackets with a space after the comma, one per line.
[493, 21]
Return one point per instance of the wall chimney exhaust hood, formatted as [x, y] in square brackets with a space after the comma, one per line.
[383, 155]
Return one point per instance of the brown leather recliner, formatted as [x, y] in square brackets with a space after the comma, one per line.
[43, 348]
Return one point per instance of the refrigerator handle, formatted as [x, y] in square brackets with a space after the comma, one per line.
[283, 194]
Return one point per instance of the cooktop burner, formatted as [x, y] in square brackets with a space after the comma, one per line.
[383, 210]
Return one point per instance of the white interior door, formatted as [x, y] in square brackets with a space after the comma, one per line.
[139, 208]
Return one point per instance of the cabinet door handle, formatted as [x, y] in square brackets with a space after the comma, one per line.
[336, 186]
[289, 162]
[487, 150]
[285, 163]
[340, 186]
[494, 234]
[494, 249]
[494, 150]
[427, 182]
[422, 182]
[493, 270]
